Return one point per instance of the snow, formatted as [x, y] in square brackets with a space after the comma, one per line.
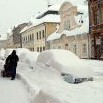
[2, 52]
[54, 7]
[26, 28]
[44, 84]
[47, 86]
[83, 28]
[8, 52]
[22, 52]
[63, 61]
[13, 91]
[3, 38]
[48, 18]
[25, 55]
[31, 58]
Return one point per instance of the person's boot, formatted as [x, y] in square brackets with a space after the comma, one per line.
[12, 78]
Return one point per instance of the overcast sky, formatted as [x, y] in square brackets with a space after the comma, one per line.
[13, 12]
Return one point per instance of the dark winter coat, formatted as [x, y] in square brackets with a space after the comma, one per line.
[12, 60]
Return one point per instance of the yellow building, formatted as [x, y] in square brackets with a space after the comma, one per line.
[34, 36]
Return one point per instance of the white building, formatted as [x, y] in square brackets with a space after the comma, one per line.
[73, 31]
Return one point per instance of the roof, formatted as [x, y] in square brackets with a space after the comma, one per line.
[48, 18]
[82, 29]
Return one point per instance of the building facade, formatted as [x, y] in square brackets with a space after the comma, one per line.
[27, 35]
[3, 43]
[73, 31]
[16, 35]
[10, 43]
[42, 26]
[34, 37]
[96, 27]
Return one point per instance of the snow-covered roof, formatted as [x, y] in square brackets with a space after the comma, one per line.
[26, 28]
[81, 19]
[84, 29]
[82, 9]
[54, 7]
[3, 37]
[48, 18]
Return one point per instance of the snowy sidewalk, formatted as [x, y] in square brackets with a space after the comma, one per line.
[13, 91]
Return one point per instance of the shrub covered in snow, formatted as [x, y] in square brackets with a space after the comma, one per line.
[66, 62]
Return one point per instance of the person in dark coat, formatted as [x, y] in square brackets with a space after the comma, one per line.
[11, 61]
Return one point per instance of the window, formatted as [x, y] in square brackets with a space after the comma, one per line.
[43, 35]
[32, 36]
[37, 49]
[43, 48]
[37, 35]
[84, 48]
[67, 25]
[53, 47]
[40, 49]
[66, 46]
[24, 39]
[75, 48]
[59, 47]
[28, 38]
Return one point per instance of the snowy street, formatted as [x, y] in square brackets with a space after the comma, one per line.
[39, 79]
[12, 91]
[45, 79]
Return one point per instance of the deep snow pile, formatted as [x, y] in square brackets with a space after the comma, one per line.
[22, 52]
[8, 52]
[31, 58]
[65, 62]
[2, 65]
[24, 55]
[2, 53]
[47, 86]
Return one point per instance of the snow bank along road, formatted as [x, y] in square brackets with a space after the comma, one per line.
[13, 91]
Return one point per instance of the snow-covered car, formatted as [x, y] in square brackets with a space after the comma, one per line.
[70, 66]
